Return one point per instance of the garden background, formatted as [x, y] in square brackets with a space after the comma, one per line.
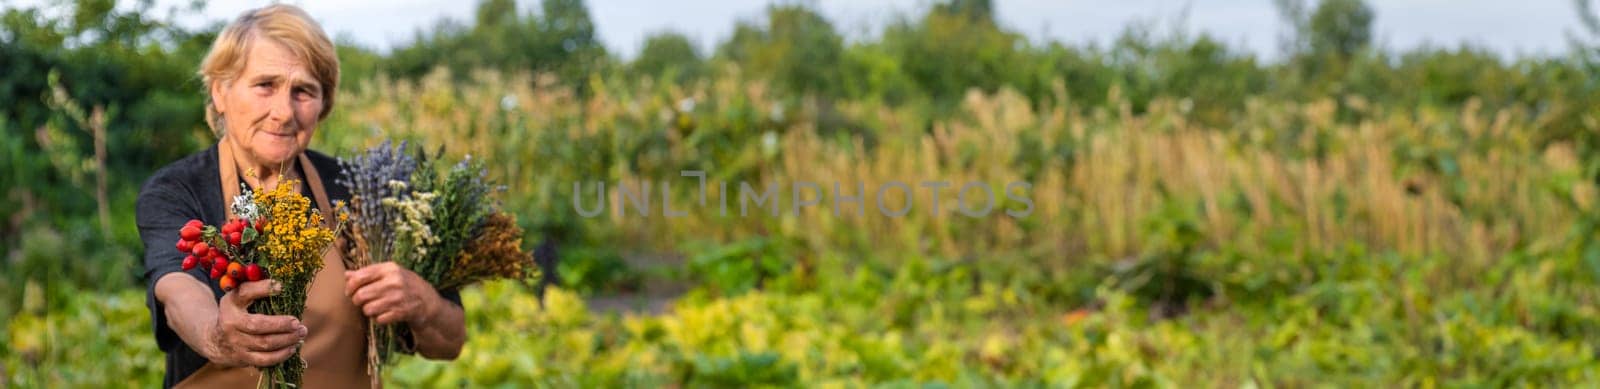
[1345, 214]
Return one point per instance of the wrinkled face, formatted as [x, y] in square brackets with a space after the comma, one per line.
[270, 111]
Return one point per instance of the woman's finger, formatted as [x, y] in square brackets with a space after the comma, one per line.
[355, 279]
[274, 342]
[369, 292]
[269, 358]
[377, 307]
[390, 317]
[268, 324]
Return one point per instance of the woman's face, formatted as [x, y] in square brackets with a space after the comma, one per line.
[271, 110]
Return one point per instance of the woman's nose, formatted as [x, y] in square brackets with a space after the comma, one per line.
[279, 107]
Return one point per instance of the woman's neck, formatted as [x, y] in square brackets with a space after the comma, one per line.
[259, 174]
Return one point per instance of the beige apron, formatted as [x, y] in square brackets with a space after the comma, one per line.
[336, 343]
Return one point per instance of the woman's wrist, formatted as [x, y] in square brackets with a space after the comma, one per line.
[211, 340]
[432, 305]
[438, 331]
[190, 313]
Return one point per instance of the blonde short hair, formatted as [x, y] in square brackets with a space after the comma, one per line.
[284, 24]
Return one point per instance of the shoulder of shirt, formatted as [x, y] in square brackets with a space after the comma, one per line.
[325, 164]
[187, 171]
[321, 159]
[332, 174]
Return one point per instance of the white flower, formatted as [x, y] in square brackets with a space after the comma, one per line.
[769, 143]
[508, 102]
[413, 231]
[243, 207]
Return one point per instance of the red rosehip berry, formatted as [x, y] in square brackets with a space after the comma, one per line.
[253, 272]
[189, 233]
[189, 262]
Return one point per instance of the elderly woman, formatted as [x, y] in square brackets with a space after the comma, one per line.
[272, 75]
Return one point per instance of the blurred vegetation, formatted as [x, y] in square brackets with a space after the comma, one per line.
[1347, 214]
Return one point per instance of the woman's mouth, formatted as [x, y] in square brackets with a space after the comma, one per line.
[284, 135]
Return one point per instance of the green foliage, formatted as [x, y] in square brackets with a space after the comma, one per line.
[1347, 332]
[123, 60]
[956, 47]
[1168, 274]
[670, 56]
[734, 268]
[596, 269]
[1327, 41]
[760, 369]
[974, 10]
[71, 66]
[458, 212]
[110, 331]
[1341, 27]
[797, 49]
[1335, 29]
[559, 39]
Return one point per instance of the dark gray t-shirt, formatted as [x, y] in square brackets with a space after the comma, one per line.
[191, 189]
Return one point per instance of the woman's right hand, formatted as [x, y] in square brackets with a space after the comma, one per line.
[241, 338]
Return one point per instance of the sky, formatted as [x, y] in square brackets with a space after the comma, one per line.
[1508, 27]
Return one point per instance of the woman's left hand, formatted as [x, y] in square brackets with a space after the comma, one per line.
[389, 294]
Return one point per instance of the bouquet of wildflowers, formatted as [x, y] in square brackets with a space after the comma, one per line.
[444, 227]
[277, 234]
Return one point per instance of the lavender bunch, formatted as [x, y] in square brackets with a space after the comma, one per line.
[436, 219]
[370, 176]
[376, 180]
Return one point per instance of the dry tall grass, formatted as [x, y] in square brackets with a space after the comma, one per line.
[1287, 180]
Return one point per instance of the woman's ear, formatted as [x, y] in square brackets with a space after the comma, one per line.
[219, 98]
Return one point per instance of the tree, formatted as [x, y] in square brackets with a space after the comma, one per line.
[797, 49]
[1325, 42]
[560, 39]
[669, 52]
[1341, 27]
[494, 13]
[973, 10]
[97, 95]
[1587, 87]
[957, 46]
[137, 66]
[1337, 28]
